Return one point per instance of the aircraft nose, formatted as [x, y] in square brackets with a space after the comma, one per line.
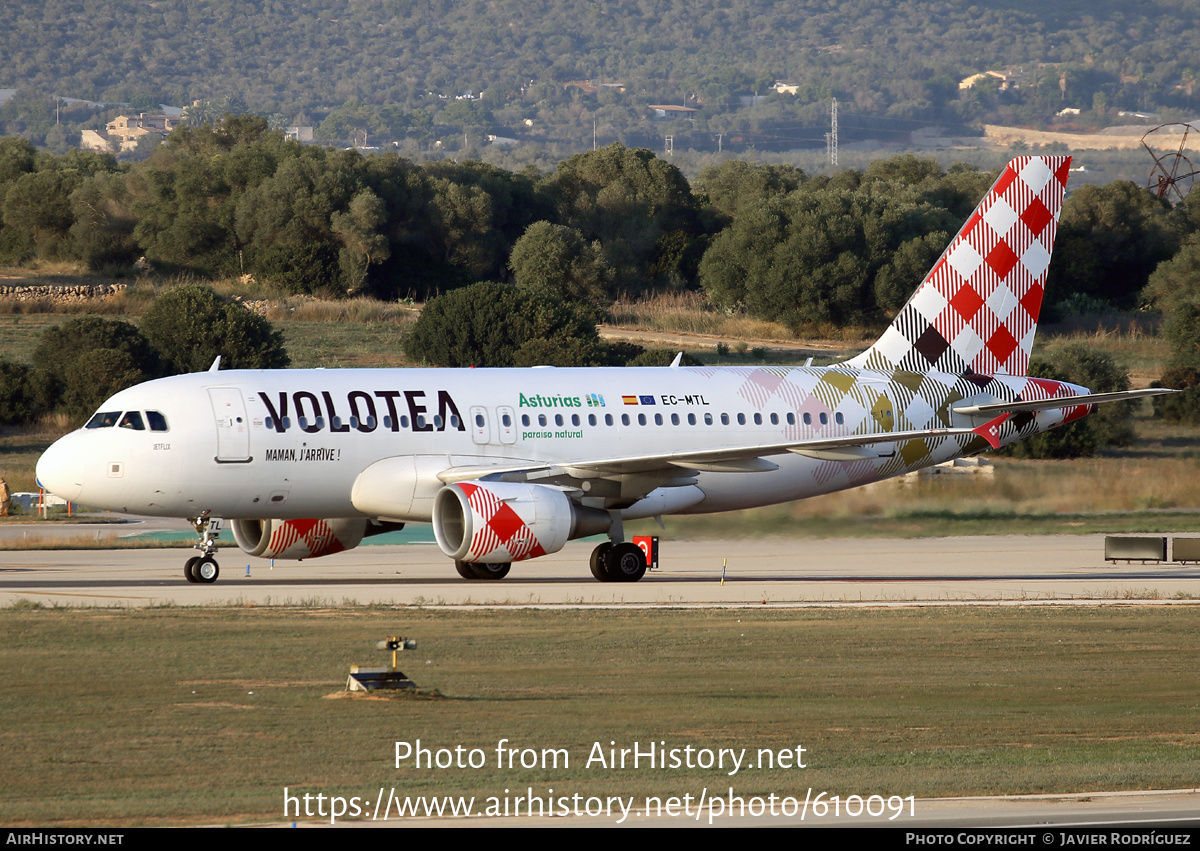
[60, 469]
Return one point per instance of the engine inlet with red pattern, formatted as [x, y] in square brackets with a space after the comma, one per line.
[495, 522]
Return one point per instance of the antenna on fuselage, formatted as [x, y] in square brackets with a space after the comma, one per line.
[216, 364]
[678, 359]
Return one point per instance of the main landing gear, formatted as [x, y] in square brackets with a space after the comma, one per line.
[623, 562]
[203, 568]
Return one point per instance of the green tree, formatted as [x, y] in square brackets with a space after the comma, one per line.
[556, 260]
[493, 324]
[37, 215]
[1179, 407]
[1110, 239]
[735, 185]
[190, 325]
[352, 122]
[64, 347]
[1174, 289]
[19, 402]
[362, 244]
[628, 200]
[102, 231]
[286, 222]
[94, 377]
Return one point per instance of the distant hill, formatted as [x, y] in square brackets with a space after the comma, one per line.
[893, 65]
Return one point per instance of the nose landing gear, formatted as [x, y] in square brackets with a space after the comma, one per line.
[203, 568]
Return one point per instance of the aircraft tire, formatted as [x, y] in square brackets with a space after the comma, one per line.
[625, 563]
[189, 569]
[598, 562]
[465, 569]
[206, 570]
[491, 571]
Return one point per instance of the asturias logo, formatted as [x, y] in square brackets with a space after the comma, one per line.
[593, 400]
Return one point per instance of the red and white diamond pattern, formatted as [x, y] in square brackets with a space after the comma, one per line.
[500, 532]
[303, 539]
[977, 310]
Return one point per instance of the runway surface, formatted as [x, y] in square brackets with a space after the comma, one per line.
[772, 572]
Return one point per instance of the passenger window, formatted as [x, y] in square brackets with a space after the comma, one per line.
[724, 419]
[838, 418]
[525, 420]
[791, 419]
[741, 419]
[479, 420]
[542, 420]
[132, 420]
[608, 419]
[641, 419]
[691, 419]
[104, 419]
[387, 422]
[507, 420]
[758, 419]
[574, 419]
[591, 419]
[624, 419]
[437, 421]
[708, 419]
[824, 419]
[674, 419]
[808, 419]
[558, 420]
[658, 419]
[157, 421]
[403, 421]
[774, 419]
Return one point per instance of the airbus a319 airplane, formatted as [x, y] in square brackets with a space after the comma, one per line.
[510, 464]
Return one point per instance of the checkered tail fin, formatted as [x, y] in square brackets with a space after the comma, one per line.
[977, 311]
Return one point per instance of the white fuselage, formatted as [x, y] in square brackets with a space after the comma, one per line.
[291, 443]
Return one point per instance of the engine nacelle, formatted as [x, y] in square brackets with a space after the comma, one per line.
[495, 522]
[298, 538]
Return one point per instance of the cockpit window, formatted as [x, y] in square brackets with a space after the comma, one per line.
[133, 420]
[103, 419]
[156, 420]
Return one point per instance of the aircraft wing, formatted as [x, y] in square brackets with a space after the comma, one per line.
[1063, 402]
[744, 458]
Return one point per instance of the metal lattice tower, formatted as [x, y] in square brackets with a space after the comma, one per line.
[833, 135]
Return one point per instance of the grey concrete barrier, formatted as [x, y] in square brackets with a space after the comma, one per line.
[1128, 548]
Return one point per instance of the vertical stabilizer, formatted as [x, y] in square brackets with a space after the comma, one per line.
[977, 311]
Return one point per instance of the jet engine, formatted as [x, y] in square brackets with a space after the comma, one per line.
[298, 538]
[497, 522]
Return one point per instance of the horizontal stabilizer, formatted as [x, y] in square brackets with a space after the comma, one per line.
[990, 431]
[1062, 402]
